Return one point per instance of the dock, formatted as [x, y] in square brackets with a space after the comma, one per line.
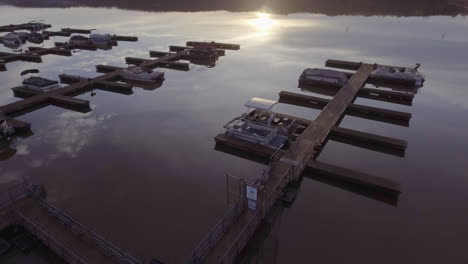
[225, 242]
[31, 26]
[24, 205]
[112, 80]
[34, 54]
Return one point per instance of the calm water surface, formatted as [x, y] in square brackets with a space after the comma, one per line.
[142, 169]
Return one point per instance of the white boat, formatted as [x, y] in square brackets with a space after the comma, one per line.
[139, 75]
[261, 126]
[323, 77]
[40, 84]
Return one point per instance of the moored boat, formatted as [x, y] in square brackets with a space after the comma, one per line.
[261, 126]
[40, 84]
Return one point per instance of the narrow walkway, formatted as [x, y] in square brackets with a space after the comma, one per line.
[289, 168]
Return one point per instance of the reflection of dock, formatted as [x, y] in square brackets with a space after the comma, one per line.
[255, 199]
[75, 243]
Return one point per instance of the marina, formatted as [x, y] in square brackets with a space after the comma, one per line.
[34, 54]
[120, 80]
[159, 173]
[270, 135]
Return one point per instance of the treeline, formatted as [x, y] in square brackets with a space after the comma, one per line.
[328, 7]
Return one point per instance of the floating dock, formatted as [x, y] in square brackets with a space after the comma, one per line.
[26, 206]
[286, 165]
[34, 54]
[113, 80]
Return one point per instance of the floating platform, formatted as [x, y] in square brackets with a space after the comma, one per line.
[367, 112]
[299, 153]
[362, 179]
[113, 80]
[225, 46]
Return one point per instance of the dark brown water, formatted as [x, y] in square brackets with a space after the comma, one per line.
[142, 169]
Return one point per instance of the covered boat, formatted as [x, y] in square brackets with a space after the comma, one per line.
[204, 51]
[401, 75]
[261, 126]
[40, 84]
[12, 40]
[101, 39]
[35, 37]
[138, 75]
[79, 40]
[322, 77]
[36, 26]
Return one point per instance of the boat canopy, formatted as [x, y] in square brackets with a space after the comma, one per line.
[260, 103]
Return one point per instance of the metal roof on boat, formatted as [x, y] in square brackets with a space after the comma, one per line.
[260, 103]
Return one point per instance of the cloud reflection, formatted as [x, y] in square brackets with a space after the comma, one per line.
[68, 134]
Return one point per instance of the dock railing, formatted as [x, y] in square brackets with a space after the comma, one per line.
[12, 194]
[90, 235]
[67, 255]
[274, 158]
[269, 199]
[222, 226]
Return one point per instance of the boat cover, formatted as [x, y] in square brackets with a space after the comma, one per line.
[324, 76]
[38, 81]
[403, 74]
[260, 103]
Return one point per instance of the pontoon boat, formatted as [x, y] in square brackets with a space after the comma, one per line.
[323, 77]
[136, 74]
[262, 126]
[40, 84]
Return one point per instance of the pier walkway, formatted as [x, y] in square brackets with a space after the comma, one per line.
[224, 244]
[60, 232]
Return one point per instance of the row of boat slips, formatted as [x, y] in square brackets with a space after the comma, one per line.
[37, 35]
[39, 92]
[262, 132]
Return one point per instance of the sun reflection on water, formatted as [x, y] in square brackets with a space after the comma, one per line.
[263, 22]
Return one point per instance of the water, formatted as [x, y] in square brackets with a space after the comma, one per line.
[142, 169]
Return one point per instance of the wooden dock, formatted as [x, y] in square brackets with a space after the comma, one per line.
[32, 26]
[111, 81]
[60, 232]
[34, 54]
[228, 238]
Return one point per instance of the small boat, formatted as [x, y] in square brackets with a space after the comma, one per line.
[401, 75]
[79, 40]
[261, 126]
[204, 51]
[12, 40]
[6, 129]
[136, 74]
[36, 26]
[101, 39]
[40, 84]
[322, 77]
[35, 37]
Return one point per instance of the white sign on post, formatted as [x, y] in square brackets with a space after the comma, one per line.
[252, 204]
[252, 193]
